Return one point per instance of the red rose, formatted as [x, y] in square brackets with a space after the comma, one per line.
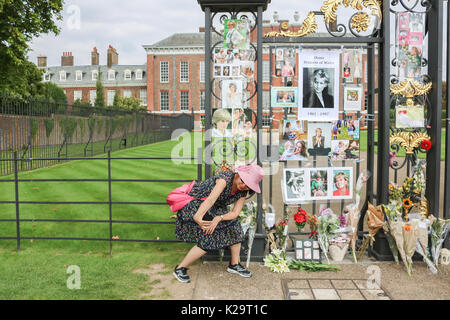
[426, 145]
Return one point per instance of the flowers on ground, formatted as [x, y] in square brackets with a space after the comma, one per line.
[276, 261]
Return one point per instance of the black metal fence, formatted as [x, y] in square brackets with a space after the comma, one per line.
[38, 129]
[110, 203]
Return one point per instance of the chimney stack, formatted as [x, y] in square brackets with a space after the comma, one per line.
[42, 61]
[201, 29]
[67, 59]
[95, 57]
[112, 56]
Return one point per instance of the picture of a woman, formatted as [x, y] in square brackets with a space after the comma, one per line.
[318, 140]
[220, 120]
[318, 184]
[231, 98]
[319, 97]
[300, 150]
[341, 181]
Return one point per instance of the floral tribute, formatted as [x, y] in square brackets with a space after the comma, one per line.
[408, 222]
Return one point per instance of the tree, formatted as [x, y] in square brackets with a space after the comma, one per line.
[116, 100]
[54, 93]
[130, 103]
[100, 96]
[20, 21]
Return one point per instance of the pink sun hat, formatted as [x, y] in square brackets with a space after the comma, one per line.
[251, 175]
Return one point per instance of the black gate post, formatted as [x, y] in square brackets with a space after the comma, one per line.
[435, 39]
[208, 114]
[447, 134]
[381, 249]
[16, 189]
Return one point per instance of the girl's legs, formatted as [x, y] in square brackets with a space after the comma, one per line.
[193, 255]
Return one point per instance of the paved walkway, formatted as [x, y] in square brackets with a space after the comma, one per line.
[210, 281]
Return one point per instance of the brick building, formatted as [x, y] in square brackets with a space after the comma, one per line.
[171, 82]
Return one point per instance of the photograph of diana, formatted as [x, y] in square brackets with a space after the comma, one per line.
[319, 138]
[294, 185]
[232, 94]
[220, 121]
[318, 91]
[342, 183]
[319, 88]
[319, 183]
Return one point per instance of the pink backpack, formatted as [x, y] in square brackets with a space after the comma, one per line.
[180, 197]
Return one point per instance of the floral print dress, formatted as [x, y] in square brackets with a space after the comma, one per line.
[227, 233]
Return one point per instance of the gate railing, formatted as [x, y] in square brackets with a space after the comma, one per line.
[110, 203]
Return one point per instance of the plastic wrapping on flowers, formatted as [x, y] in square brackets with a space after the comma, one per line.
[276, 261]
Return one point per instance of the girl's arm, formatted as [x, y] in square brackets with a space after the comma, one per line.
[210, 200]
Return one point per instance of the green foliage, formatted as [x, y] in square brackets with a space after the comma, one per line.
[20, 22]
[130, 103]
[49, 125]
[33, 128]
[68, 126]
[54, 93]
[311, 266]
[100, 96]
[91, 126]
[116, 99]
[81, 124]
[100, 125]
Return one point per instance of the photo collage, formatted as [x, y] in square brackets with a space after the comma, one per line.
[300, 185]
[410, 34]
[233, 69]
[339, 139]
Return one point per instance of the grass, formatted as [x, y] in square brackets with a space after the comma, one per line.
[38, 270]
[363, 145]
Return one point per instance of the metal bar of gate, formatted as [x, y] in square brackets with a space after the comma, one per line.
[447, 127]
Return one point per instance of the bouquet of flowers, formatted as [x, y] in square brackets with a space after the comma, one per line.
[328, 224]
[300, 218]
[247, 218]
[313, 223]
[353, 213]
[439, 230]
[282, 232]
[410, 240]
[375, 220]
[276, 261]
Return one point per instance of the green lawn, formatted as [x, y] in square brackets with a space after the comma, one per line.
[38, 270]
[363, 145]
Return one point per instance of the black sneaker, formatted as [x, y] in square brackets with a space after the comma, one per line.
[181, 275]
[240, 270]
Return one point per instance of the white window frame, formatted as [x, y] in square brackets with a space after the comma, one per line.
[163, 73]
[77, 94]
[265, 120]
[78, 75]
[127, 93]
[202, 101]
[111, 75]
[110, 97]
[47, 76]
[202, 71]
[138, 74]
[161, 107]
[62, 75]
[183, 95]
[127, 75]
[184, 71]
[92, 96]
[94, 72]
[143, 96]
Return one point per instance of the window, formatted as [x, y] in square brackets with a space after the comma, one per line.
[111, 75]
[266, 120]
[202, 71]
[78, 75]
[266, 100]
[127, 93]
[92, 96]
[184, 100]
[143, 97]
[110, 97]
[202, 100]
[47, 76]
[184, 71]
[164, 71]
[77, 95]
[266, 71]
[164, 100]
[62, 76]
[127, 75]
[138, 74]
[94, 75]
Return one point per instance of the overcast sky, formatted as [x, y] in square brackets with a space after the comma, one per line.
[128, 25]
